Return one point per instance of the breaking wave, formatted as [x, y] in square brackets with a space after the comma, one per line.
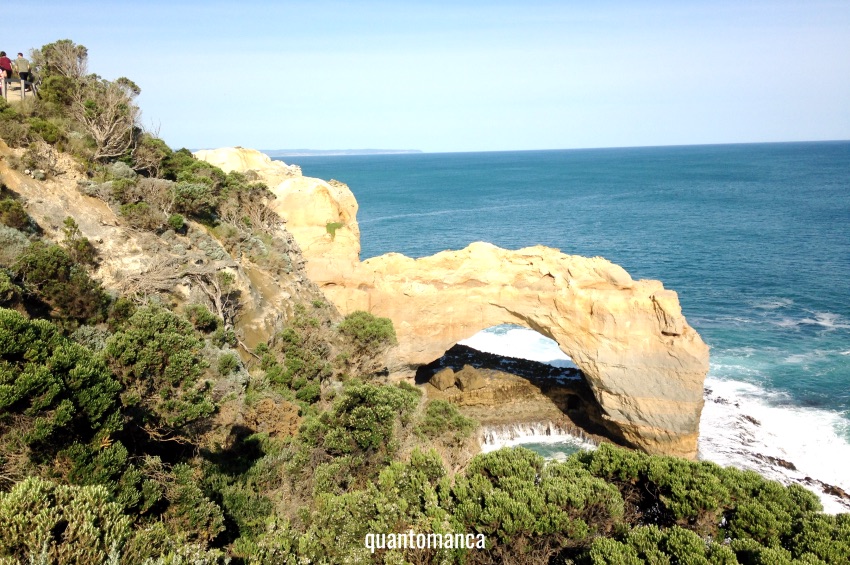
[743, 424]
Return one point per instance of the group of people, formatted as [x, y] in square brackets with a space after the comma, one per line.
[19, 65]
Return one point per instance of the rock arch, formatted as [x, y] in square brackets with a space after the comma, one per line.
[645, 364]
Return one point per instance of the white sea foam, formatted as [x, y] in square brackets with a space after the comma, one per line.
[515, 341]
[748, 427]
[773, 304]
[743, 425]
[493, 438]
[826, 320]
[451, 211]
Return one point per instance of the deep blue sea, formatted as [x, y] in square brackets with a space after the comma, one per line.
[755, 238]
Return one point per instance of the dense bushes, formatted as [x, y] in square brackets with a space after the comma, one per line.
[517, 500]
[52, 276]
[367, 336]
[156, 355]
[44, 522]
[443, 420]
[12, 214]
[52, 391]
[363, 418]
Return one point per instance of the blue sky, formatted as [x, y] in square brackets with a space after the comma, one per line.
[465, 75]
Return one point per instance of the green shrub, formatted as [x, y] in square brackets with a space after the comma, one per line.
[49, 131]
[50, 274]
[48, 523]
[59, 390]
[78, 247]
[119, 312]
[442, 418]
[10, 293]
[12, 214]
[12, 244]
[367, 336]
[222, 337]
[331, 228]
[249, 509]
[143, 216]
[202, 318]
[191, 511]
[149, 154]
[309, 393]
[651, 544]
[181, 166]
[194, 199]
[56, 92]
[227, 363]
[368, 331]
[364, 416]
[176, 222]
[303, 354]
[122, 190]
[157, 357]
[824, 536]
[511, 495]
[93, 337]
[14, 129]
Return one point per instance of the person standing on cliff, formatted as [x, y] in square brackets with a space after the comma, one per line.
[5, 65]
[23, 67]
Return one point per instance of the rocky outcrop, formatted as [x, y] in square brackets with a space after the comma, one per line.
[320, 215]
[128, 258]
[242, 160]
[644, 363]
[443, 379]
[468, 379]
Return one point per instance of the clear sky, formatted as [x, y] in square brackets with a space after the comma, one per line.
[464, 75]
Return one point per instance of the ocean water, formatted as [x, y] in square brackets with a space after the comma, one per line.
[755, 239]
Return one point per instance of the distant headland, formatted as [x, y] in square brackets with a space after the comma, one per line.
[273, 153]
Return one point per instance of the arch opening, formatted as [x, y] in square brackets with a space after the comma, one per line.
[517, 383]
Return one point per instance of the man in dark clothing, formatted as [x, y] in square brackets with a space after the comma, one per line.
[5, 64]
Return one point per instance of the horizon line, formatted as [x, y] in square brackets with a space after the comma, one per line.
[352, 152]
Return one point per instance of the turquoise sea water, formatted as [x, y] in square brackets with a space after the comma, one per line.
[754, 238]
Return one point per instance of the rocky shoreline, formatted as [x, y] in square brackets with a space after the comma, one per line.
[520, 401]
[506, 395]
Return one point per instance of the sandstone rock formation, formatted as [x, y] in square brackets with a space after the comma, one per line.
[468, 379]
[127, 255]
[644, 363]
[242, 160]
[444, 379]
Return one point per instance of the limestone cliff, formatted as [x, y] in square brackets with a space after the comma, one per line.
[139, 261]
[230, 159]
[644, 363]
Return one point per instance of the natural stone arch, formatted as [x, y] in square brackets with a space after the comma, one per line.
[645, 364]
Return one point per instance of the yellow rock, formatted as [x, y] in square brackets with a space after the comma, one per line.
[645, 364]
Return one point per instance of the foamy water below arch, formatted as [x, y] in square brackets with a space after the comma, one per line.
[742, 425]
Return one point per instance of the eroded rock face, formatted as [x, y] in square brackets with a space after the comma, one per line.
[320, 215]
[443, 380]
[645, 364]
[243, 160]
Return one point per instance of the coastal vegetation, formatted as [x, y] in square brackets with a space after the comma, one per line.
[135, 427]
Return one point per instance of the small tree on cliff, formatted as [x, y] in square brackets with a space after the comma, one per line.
[61, 58]
[107, 111]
